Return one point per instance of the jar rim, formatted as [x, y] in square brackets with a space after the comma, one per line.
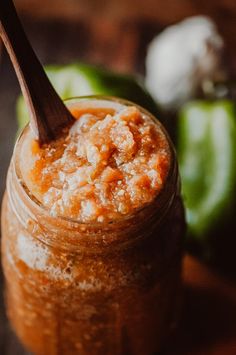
[43, 209]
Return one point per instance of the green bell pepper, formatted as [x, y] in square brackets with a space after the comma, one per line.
[82, 79]
[206, 146]
[206, 149]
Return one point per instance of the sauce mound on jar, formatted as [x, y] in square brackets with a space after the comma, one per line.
[112, 161]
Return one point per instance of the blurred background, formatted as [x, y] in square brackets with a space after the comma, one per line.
[117, 35]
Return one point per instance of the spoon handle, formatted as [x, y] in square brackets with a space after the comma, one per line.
[48, 114]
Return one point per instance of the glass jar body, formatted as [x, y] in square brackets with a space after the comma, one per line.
[90, 290]
[120, 302]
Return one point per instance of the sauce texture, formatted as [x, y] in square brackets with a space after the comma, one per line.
[112, 161]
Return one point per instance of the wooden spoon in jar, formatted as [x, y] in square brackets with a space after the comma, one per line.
[48, 114]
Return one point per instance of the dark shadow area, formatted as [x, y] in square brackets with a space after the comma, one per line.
[58, 41]
[147, 31]
[208, 318]
[9, 344]
[218, 248]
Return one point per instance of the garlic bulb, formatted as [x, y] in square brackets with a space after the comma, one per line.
[181, 58]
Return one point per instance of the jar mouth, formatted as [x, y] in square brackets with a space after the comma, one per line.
[159, 199]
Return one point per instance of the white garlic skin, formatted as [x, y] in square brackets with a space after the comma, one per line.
[181, 58]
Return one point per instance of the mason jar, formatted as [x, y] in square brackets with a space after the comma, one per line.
[92, 288]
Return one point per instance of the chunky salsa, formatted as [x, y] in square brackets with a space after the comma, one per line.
[113, 160]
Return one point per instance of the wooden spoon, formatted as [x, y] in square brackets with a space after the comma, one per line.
[48, 113]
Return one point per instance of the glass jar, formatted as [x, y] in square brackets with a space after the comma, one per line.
[92, 288]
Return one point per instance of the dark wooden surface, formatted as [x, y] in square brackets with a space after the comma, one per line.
[48, 114]
[208, 325]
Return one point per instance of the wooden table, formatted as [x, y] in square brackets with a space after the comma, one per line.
[208, 325]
